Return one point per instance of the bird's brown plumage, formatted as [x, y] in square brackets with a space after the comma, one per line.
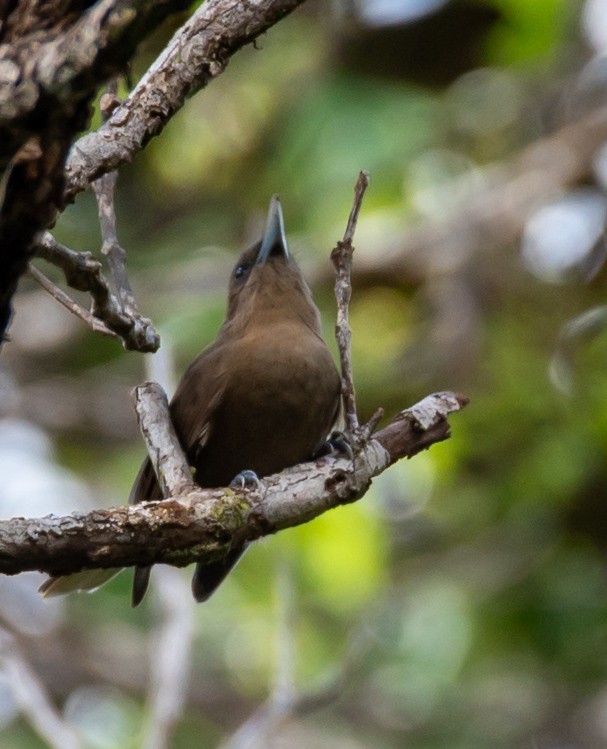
[262, 397]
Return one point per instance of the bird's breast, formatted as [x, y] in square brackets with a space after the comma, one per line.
[278, 405]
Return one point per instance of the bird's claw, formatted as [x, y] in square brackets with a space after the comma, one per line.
[246, 480]
[337, 445]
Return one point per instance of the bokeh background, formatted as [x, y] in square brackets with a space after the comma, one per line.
[462, 604]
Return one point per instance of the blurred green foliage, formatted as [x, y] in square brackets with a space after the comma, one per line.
[467, 590]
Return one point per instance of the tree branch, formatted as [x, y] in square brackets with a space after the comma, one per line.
[63, 54]
[66, 301]
[83, 272]
[52, 62]
[199, 52]
[163, 446]
[52, 59]
[202, 525]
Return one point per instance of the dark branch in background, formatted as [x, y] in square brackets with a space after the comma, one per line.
[199, 52]
[52, 62]
[341, 257]
[51, 66]
[203, 524]
[83, 272]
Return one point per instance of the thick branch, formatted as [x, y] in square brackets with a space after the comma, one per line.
[163, 446]
[205, 523]
[51, 64]
[61, 55]
[198, 53]
[53, 57]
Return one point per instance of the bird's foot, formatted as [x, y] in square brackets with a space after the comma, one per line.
[337, 445]
[246, 480]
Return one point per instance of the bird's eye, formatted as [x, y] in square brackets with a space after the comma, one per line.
[241, 271]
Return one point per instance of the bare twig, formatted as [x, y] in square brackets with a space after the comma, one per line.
[31, 696]
[163, 447]
[170, 658]
[203, 525]
[104, 189]
[342, 260]
[199, 52]
[264, 723]
[93, 322]
[83, 272]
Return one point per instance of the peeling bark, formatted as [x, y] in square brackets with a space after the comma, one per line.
[204, 524]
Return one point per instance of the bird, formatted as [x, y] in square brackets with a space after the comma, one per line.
[265, 395]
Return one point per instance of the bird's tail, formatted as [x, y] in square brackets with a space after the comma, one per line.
[145, 488]
[208, 577]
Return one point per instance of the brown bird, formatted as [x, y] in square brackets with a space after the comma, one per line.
[262, 397]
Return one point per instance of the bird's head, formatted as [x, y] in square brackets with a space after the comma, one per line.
[266, 282]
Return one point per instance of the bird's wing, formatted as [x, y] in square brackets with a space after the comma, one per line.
[192, 408]
[197, 397]
[88, 580]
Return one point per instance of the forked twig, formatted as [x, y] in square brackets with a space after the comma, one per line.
[72, 306]
[83, 272]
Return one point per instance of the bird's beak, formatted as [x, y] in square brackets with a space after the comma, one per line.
[274, 240]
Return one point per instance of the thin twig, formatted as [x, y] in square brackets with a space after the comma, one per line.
[31, 696]
[105, 189]
[83, 272]
[170, 658]
[341, 257]
[64, 299]
[368, 428]
[258, 729]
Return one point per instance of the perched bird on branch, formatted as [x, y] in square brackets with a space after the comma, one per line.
[262, 397]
